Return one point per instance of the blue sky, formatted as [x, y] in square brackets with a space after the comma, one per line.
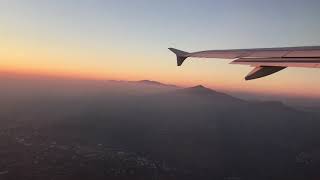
[190, 24]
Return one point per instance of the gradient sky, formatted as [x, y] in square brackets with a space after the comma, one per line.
[128, 40]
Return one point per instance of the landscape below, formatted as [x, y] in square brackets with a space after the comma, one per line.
[75, 129]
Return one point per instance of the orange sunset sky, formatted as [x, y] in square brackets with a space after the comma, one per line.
[128, 41]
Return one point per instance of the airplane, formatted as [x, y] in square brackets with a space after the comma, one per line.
[265, 61]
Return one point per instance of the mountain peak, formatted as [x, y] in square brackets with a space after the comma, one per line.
[149, 82]
[207, 93]
[199, 86]
[200, 89]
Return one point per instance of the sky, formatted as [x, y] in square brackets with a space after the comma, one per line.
[129, 40]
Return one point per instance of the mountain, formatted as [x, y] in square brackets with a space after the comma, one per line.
[209, 94]
[144, 82]
[197, 97]
[199, 89]
[154, 83]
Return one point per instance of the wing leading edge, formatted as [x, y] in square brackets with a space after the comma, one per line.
[265, 60]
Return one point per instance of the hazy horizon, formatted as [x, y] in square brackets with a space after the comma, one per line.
[33, 81]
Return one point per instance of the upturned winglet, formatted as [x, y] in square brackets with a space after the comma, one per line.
[181, 55]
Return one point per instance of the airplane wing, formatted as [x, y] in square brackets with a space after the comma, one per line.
[265, 60]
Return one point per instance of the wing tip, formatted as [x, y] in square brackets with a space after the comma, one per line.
[181, 55]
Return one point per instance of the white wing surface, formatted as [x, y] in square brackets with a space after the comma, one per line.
[265, 60]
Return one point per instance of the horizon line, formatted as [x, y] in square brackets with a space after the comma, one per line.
[80, 77]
